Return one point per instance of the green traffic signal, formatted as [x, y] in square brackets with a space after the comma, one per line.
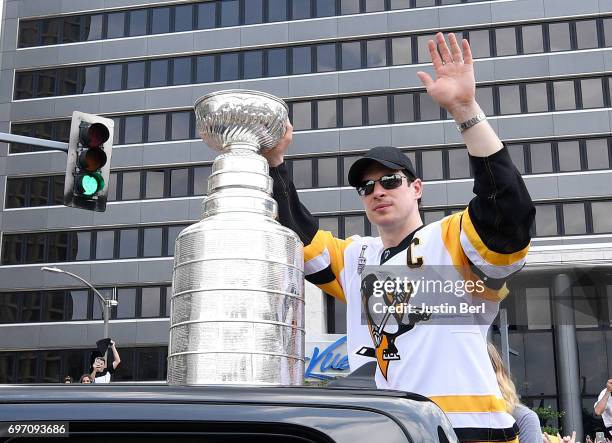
[89, 184]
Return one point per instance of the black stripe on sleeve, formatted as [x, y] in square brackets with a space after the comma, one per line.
[466, 435]
[322, 277]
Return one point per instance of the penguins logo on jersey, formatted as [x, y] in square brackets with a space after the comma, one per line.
[386, 328]
[361, 261]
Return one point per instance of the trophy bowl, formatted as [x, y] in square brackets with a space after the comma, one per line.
[239, 116]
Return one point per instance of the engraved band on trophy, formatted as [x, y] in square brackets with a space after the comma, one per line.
[237, 307]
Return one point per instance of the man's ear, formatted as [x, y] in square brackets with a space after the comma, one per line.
[417, 184]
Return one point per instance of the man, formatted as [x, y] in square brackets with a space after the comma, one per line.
[487, 242]
[100, 373]
[603, 407]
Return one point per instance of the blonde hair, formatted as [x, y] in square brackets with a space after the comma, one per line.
[506, 385]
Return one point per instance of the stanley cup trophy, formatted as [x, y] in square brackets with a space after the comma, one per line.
[237, 308]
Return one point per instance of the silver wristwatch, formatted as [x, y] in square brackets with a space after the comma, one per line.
[462, 127]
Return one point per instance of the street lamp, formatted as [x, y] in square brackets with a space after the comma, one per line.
[105, 303]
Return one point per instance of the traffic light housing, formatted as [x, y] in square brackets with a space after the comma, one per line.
[89, 157]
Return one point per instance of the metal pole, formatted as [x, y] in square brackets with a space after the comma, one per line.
[51, 144]
[505, 345]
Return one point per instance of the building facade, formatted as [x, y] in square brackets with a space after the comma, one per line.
[347, 69]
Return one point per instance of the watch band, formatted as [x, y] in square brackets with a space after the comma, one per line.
[462, 127]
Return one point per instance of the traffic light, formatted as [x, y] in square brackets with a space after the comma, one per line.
[89, 158]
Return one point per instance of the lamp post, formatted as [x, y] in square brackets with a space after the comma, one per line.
[105, 303]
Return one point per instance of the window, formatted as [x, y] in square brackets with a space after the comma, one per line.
[325, 8]
[537, 97]
[586, 34]
[349, 7]
[181, 71]
[112, 187]
[302, 173]
[597, 154]
[484, 96]
[377, 110]
[179, 182]
[602, 217]
[72, 29]
[150, 304]
[24, 87]
[564, 95]
[422, 50]
[432, 216]
[50, 31]
[35, 248]
[68, 82]
[329, 224]
[479, 43]
[253, 12]
[533, 41]
[230, 13]
[253, 64]
[428, 108]
[93, 27]
[351, 55]
[136, 75]
[505, 41]
[28, 33]
[569, 156]
[138, 22]
[200, 179]
[459, 163]
[205, 69]
[352, 114]
[541, 158]
[173, 232]
[128, 243]
[326, 114]
[152, 242]
[301, 9]
[58, 246]
[403, 108]
[81, 245]
[133, 129]
[76, 304]
[158, 73]
[607, 26]
[401, 49]
[180, 122]
[131, 186]
[156, 127]
[592, 93]
[46, 84]
[112, 77]
[374, 5]
[574, 220]
[277, 62]
[11, 249]
[228, 66]
[277, 10]
[105, 244]
[126, 307]
[354, 225]
[546, 220]
[559, 35]
[160, 20]
[115, 25]
[327, 172]
[154, 184]
[92, 79]
[432, 165]
[518, 157]
[400, 4]
[302, 118]
[538, 308]
[206, 15]
[16, 192]
[509, 99]
[183, 18]
[326, 57]
[302, 61]
[376, 53]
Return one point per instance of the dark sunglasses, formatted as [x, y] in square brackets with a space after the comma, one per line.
[391, 181]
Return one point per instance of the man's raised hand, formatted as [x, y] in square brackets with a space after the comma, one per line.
[276, 155]
[455, 86]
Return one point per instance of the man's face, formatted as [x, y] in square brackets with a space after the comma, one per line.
[86, 380]
[390, 208]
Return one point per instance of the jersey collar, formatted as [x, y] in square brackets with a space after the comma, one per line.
[388, 253]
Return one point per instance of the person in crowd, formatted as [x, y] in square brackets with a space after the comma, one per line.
[68, 379]
[526, 419]
[100, 372]
[486, 242]
[558, 439]
[603, 407]
[85, 378]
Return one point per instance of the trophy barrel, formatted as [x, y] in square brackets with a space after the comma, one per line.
[237, 307]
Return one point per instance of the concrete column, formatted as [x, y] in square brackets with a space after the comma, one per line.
[566, 351]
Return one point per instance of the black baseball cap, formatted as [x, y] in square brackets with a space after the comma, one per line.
[385, 155]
